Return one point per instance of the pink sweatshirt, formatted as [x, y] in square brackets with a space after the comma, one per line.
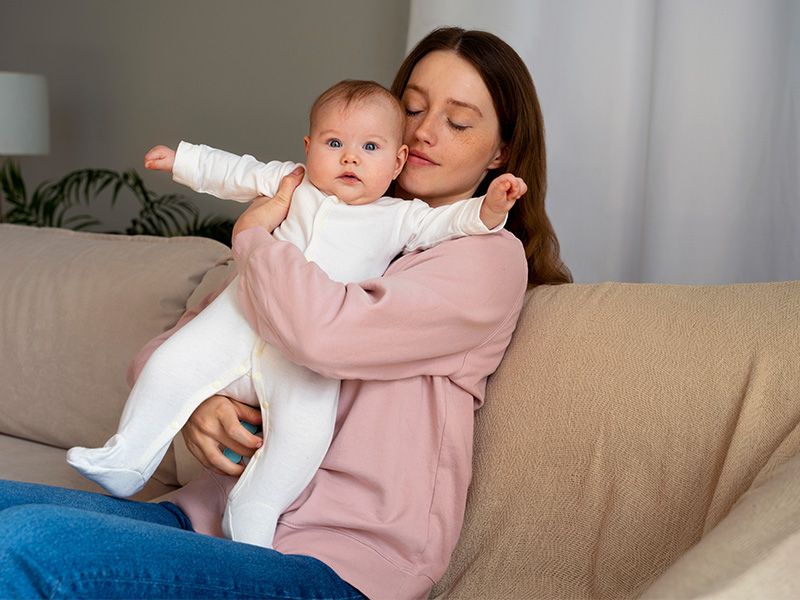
[413, 350]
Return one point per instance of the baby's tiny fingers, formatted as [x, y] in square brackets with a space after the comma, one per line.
[519, 187]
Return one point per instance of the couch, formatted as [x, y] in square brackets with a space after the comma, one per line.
[638, 440]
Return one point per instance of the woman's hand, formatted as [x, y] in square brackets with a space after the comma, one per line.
[214, 426]
[270, 212]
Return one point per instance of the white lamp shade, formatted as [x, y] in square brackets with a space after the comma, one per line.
[24, 118]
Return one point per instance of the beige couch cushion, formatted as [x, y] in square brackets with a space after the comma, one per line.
[23, 460]
[74, 309]
[623, 424]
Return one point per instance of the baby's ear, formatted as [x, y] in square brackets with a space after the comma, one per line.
[306, 142]
[402, 156]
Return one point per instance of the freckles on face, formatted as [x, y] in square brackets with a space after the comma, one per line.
[452, 130]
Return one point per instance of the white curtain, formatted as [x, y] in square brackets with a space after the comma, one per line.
[672, 130]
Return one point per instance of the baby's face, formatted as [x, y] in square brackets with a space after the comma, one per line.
[354, 152]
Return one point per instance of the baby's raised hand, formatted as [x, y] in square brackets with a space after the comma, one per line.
[160, 158]
[503, 192]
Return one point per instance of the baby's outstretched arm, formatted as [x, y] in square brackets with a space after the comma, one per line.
[160, 158]
[217, 172]
[503, 192]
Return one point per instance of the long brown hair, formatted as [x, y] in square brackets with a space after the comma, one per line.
[521, 129]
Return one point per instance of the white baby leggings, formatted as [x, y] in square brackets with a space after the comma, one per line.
[214, 351]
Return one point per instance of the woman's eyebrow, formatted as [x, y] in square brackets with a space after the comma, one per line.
[453, 101]
[416, 88]
[465, 105]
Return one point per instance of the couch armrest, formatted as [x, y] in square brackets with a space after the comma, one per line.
[754, 552]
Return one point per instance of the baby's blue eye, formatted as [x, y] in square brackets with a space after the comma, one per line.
[370, 146]
[334, 143]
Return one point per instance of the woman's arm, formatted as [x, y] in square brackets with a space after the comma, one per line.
[421, 318]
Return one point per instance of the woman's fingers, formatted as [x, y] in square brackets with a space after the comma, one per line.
[238, 439]
[209, 453]
[270, 212]
[287, 186]
[220, 464]
[210, 456]
[247, 413]
[213, 426]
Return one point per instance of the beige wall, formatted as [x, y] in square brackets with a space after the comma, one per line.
[238, 75]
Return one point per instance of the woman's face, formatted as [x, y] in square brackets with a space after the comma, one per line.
[452, 130]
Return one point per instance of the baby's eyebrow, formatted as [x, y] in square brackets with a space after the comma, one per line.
[334, 132]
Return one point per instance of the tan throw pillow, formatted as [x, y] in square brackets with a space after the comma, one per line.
[74, 310]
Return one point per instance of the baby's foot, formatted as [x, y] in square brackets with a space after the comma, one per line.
[250, 523]
[109, 467]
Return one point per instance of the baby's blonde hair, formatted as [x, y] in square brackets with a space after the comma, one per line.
[352, 91]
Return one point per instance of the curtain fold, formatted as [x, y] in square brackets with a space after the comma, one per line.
[672, 130]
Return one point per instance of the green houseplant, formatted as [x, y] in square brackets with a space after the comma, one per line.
[53, 204]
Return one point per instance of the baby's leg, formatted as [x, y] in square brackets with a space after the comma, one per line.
[301, 416]
[198, 360]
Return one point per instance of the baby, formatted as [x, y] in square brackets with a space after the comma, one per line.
[340, 221]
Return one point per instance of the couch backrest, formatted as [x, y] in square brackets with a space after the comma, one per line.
[74, 310]
[622, 425]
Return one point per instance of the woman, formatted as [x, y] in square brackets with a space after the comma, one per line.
[413, 348]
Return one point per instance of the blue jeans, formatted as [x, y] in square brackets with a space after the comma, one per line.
[60, 543]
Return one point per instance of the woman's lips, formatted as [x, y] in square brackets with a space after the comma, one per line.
[420, 159]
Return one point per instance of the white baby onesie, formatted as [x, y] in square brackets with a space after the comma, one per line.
[218, 348]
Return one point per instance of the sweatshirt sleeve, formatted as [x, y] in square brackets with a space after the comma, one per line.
[419, 319]
[225, 175]
[423, 226]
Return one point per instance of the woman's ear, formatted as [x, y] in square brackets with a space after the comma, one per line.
[500, 159]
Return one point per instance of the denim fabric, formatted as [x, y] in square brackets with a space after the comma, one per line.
[60, 543]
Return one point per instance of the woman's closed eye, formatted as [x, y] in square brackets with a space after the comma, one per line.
[457, 126]
[416, 112]
[334, 143]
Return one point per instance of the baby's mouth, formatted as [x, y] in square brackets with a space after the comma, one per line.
[349, 178]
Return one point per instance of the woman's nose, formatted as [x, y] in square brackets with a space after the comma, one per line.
[426, 130]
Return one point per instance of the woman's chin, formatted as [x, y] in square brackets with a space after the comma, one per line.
[412, 185]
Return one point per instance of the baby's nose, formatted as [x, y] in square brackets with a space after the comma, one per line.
[350, 158]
